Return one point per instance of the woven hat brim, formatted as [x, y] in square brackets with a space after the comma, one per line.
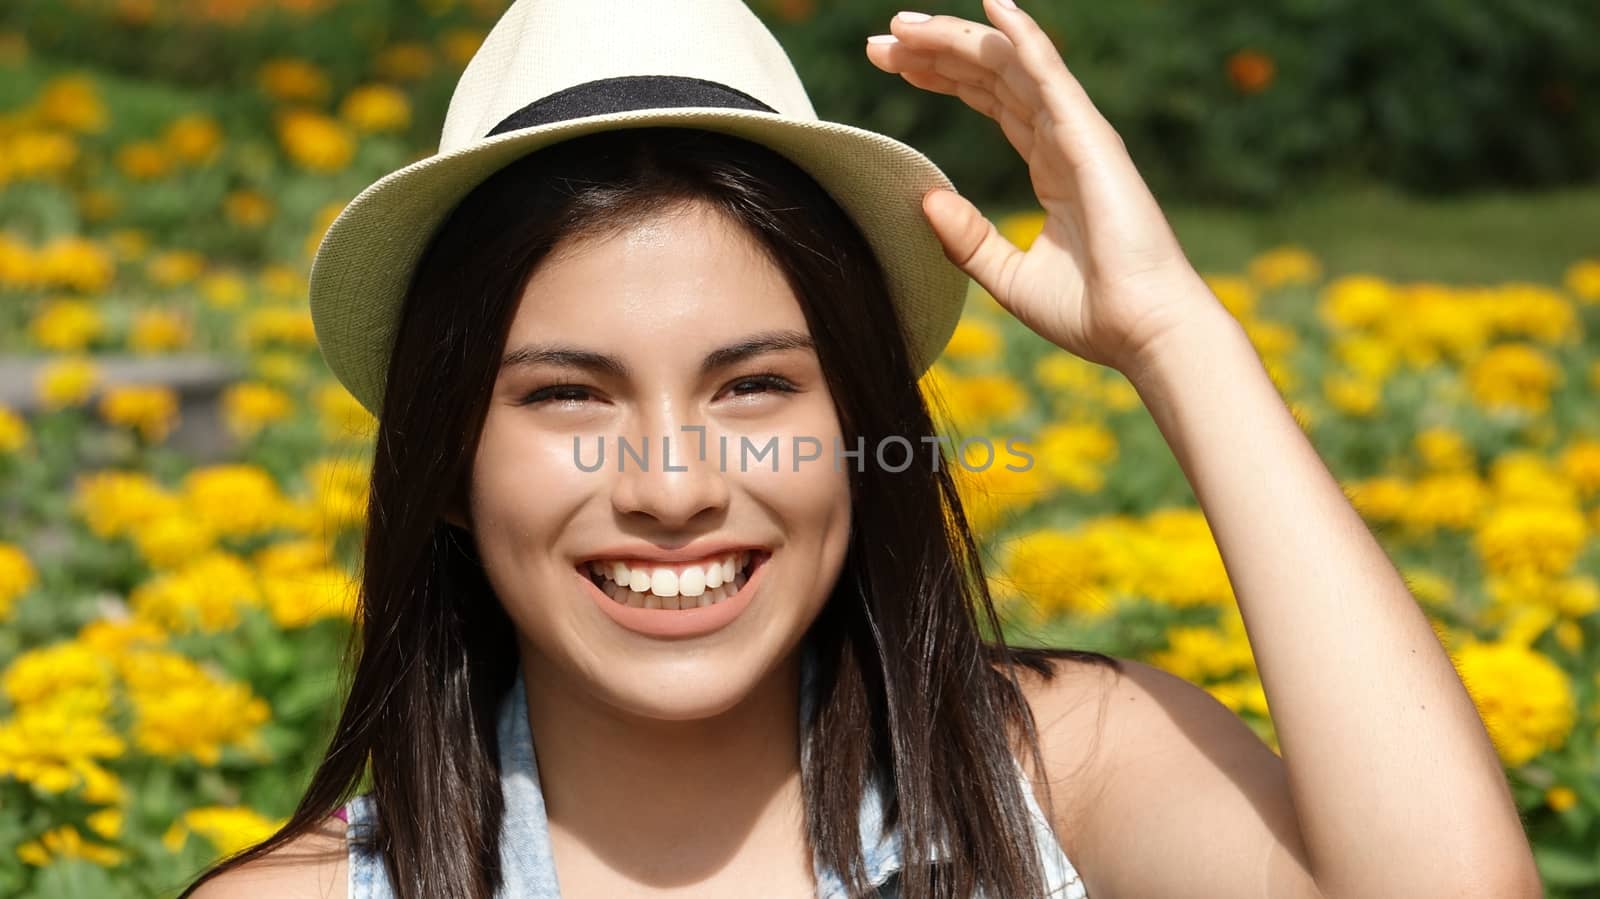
[365, 261]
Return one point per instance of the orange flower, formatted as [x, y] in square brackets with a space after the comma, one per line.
[1251, 71]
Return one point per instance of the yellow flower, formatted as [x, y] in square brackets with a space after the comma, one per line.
[975, 341]
[280, 368]
[1352, 394]
[1356, 301]
[970, 402]
[1453, 500]
[314, 141]
[1371, 358]
[228, 828]
[72, 102]
[40, 156]
[293, 81]
[113, 503]
[194, 138]
[1560, 798]
[65, 842]
[247, 208]
[989, 494]
[376, 107]
[289, 328]
[1525, 700]
[67, 382]
[1283, 266]
[1444, 449]
[234, 500]
[249, 407]
[1245, 694]
[1534, 311]
[1200, 654]
[1531, 538]
[113, 638]
[1379, 499]
[171, 540]
[144, 160]
[1583, 280]
[1523, 476]
[224, 290]
[205, 595]
[13, 431]
[152, 410]
[1580, 462]
[1513, 376]
[176, 267]
[180, 709]
[68, 675]
[297, 599]
[106, 822]
[1054, 570]
[76, 263]
[1236, 294]
[66, 325]
[1075, 455]
[17, 576]
[158, 331]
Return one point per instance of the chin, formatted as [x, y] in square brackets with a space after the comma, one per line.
[684, 688]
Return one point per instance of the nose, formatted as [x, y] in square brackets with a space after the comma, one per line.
[669, 474]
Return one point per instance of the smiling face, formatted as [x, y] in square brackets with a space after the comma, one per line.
[660, 299]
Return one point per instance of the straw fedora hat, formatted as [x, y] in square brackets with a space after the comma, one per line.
[551, 70]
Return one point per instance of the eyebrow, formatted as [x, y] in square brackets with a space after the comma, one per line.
[600, 363]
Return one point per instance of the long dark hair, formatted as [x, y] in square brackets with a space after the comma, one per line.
[909, 687]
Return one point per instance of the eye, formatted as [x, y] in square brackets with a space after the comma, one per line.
[559, 392]
[768, 380]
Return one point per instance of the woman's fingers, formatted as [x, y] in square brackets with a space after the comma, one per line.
[945, 74]
[1016, 130]
[1060, 93]
[987, 52]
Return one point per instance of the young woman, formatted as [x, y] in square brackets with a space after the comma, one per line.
[714, 675]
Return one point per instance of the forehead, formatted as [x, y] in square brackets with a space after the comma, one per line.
[679, 273]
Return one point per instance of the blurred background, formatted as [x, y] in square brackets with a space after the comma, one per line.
[1400, 203]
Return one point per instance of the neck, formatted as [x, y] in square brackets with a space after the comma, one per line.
[668, 802]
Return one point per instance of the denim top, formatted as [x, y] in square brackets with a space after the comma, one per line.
[528, 866]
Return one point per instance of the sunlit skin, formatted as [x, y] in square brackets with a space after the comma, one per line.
[660, 757]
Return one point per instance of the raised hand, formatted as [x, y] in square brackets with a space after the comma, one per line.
[1106, 278]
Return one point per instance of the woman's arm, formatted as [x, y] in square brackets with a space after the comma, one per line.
[1396, 785]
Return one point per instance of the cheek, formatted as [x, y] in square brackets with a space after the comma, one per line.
[519, 475]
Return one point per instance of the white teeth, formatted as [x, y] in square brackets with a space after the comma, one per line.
[684, 597]
[664, 582]
[692, 583]
[661, 580]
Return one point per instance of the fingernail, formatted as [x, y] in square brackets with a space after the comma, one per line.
[912, 17]
[883, 39]
[1009, 4]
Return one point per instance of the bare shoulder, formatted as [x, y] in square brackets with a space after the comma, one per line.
[310, 866]
[1156, 788]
